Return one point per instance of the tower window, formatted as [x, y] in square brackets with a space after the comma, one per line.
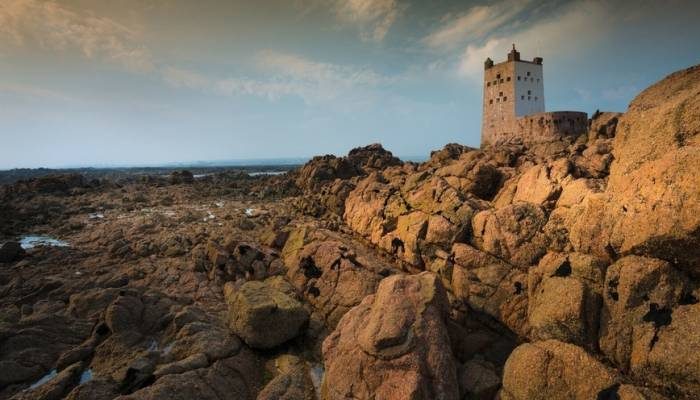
[508, 79]
[528, 73]
[529, 92]
[522, 97]
[495, 82]
[518, 77]
[538, 79]
[498, 100]
[491, 101]
[488, 83]
[501, 80]
[505, 98]
[498, 76]
[500, 93]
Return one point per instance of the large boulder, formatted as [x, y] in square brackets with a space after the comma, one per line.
[394, 345]
[239, 377]
[638, 298]
[552, 370]
[512, 233]
[266, 314]
[332, 273]
[565, 296]
[651, 203]
[490, 285]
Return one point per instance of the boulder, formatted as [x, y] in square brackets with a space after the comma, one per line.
[239, 377]
[266, 314]
[394, 345]
[512, 233]
[650, 205]
[551, 370]
[332, 273]
[638, 291]
[565, 296]
[292, 385]
[490, 285]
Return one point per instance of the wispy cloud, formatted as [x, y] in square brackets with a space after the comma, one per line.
[574, 26]
[284, 74]
[372, 18]
[50, 25]
[30, 91]
[477, 22]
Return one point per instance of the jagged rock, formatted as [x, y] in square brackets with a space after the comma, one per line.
[639, 295]
[491, 286]
[266, 314]
[292, 385]
[667, 357]
[238, 377]
[56, 388]
[390, 345]
[332, 275]
[512, 233]
[565, 296]
[536, 186]
[555, 370]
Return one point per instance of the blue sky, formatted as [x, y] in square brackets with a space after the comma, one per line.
[93, 82]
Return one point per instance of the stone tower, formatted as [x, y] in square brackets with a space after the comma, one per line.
[512, 89]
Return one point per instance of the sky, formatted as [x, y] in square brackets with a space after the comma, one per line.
[146, 82]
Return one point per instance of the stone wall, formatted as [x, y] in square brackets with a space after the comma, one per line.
[543, 127]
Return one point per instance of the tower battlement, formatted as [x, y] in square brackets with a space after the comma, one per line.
[513, 90]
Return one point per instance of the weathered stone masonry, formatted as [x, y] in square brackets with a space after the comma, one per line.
[514, 104]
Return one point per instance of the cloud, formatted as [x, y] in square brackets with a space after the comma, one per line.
[284, 75]
[373, 18]
[33, 92]
[52, 26]
[476, 23]
[572, 28]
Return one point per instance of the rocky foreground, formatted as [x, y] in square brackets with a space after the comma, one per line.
[565, 270]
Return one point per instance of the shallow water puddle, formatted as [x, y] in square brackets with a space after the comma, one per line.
[32, 241]
[316, 372]
[264, 173]
[52, 374]
[86, 376]
[96, 216]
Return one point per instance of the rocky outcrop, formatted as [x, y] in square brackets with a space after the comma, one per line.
[332, 273]
[555, 370]
[266, 314]
[392, 345]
